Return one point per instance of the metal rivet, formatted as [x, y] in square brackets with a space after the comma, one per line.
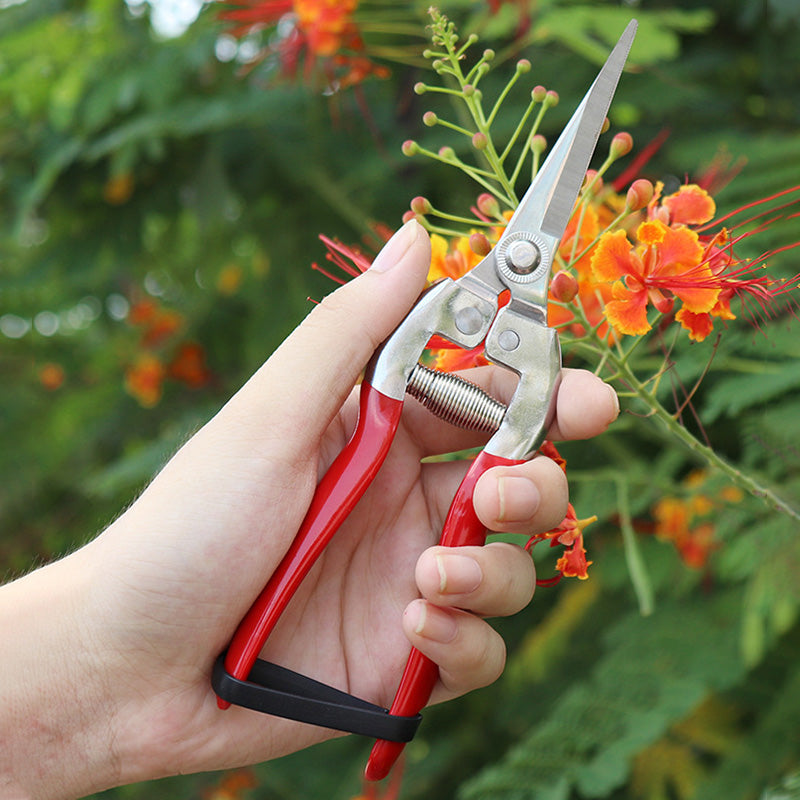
[469, 320]
[524, 257]
[508, 340]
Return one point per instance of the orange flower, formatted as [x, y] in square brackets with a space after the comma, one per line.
[118, 189]
[323, 34]
[592, 295]
[687, 521]
[690, 205]
[667, 263]
[189, 365]
[233, 786]
[325, 23]
[577, 240]
[52, 376]
[158, 323]
[569, 533]
[144, 379]
[451, 260]
[573, 563]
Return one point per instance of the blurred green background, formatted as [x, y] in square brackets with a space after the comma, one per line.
[159, 213]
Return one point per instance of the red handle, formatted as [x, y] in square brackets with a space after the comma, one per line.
[462, 527]
[337, 493]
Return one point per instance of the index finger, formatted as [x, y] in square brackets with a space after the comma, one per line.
[584, 407]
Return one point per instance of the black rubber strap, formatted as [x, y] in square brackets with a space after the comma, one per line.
[279, 691]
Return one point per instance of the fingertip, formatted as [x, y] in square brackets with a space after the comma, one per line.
[409, 245]
[585, 406]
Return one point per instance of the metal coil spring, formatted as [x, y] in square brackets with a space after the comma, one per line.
[455, 400]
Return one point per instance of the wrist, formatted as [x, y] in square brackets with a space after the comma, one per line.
[54, 718]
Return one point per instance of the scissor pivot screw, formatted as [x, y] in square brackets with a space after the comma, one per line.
[523, 257]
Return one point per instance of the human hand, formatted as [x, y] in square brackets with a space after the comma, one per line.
[150, 604]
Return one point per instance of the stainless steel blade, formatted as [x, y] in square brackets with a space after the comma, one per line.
[584, 140]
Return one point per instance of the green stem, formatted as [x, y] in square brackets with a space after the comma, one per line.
[473, 222]
[640, 579]
[696, 448]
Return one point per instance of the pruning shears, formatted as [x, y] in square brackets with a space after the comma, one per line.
[466, 312]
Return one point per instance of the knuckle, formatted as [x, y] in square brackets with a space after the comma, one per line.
[486, 659]
[513, 578]
[493, 659]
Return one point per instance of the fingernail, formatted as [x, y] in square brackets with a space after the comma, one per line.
[458, 574]
[396, 247]
[518, 498]
[615, 400]
[431, 622]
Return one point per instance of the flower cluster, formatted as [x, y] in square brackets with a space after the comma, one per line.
[634, 260]
[670, 258]
[688, 520]
[573, 562]
[160, 355]
[313, 38]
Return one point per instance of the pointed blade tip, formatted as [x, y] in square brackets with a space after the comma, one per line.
[557, 214]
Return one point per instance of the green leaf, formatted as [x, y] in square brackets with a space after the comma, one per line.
[653, 672]
[591, 30]
[736, 393]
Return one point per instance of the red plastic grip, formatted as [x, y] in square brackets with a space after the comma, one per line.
[336, 495]
[461, 527]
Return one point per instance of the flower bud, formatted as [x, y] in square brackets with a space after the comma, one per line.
[594, 180]
[606, 125]
[420, 88]
[410, 147]
[480, 141]
[538, 143]
[447, 153]
[408, 216]
[538, 94]
[523, 65]
[551, 99]
[479, 244]
[564, 287]
[468, 90]
[621, 145]
[488, 55]
[639, 194]
[429, 118]
[421, 205]
[488, 205]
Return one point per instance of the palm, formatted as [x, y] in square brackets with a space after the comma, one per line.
[343, 625]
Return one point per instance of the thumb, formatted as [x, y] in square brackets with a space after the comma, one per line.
[307, 379]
